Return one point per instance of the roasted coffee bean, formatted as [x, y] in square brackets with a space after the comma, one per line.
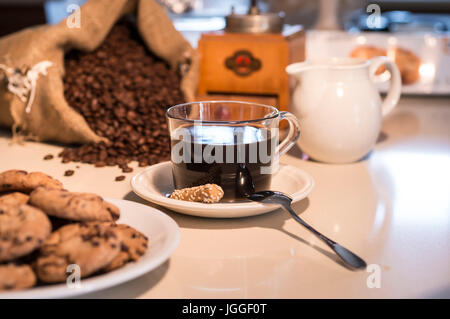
[48, 157]
[122, 90]
[127, 169]
[69, 172]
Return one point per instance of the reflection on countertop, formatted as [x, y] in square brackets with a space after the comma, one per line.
[392, 208]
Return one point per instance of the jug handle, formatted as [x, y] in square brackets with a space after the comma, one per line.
[395, 88]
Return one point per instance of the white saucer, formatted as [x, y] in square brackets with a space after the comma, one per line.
[156, 183]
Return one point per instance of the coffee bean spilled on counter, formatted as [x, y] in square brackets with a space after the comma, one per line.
[122, 90]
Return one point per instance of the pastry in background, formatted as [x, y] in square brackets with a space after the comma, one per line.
[367, 52]
[408, 63]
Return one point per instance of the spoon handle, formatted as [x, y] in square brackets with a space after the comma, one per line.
[346, 255]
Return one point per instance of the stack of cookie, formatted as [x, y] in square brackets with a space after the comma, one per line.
[84, 234]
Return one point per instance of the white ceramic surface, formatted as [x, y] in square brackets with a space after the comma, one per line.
[164, 237]
[155, 183]
[339, 107]
[385, 208]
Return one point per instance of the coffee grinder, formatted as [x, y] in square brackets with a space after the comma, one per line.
[247, 60]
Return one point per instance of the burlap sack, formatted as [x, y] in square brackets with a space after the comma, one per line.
[50, 118]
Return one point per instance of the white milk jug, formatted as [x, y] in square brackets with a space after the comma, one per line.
[339, 107]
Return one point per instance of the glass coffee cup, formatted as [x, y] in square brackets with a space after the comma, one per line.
[211, 140]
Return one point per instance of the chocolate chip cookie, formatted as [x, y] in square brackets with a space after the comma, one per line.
[15, 198]
[15, 277]
[87, 245]
[74, 206]
[21, 181]
[133, 244]
[22, 229]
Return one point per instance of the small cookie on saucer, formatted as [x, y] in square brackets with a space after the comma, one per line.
[74, 206]
[20, 181]
[22, 229]
[15, 277]
[88, 245]
[15, 198]
[133, 245]
[208, 193]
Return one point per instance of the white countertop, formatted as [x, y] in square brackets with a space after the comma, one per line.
[392, 209]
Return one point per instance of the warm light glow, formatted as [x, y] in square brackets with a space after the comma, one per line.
[420, 185]
[336, 228]
[427, 71]
[430, 40]
[361, 40]
[392, 41]
[199, 24]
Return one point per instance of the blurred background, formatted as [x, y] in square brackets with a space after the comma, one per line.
[207, 15]
[414, 33]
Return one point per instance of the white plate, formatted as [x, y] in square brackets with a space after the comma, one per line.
[156, 183]
[163, 234]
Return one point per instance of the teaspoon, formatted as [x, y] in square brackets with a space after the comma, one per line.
[246, 188]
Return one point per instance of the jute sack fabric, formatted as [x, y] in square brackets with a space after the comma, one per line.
[49, 117]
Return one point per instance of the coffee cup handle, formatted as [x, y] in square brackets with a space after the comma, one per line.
[293, 134]
[395, 88]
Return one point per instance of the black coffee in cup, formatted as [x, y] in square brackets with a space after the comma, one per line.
[203, 154]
